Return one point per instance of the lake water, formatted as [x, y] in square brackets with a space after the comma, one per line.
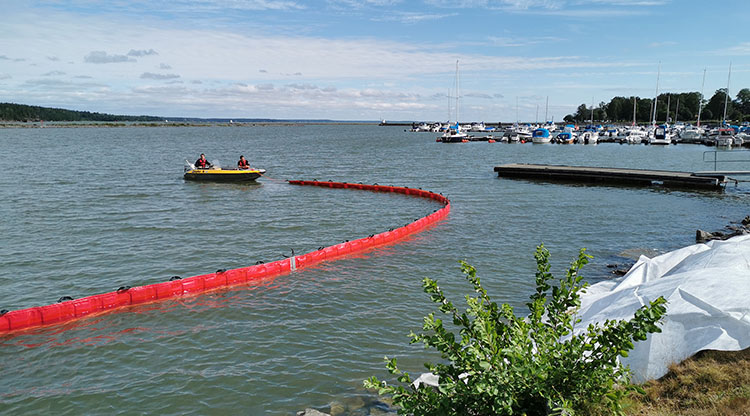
[86, 210]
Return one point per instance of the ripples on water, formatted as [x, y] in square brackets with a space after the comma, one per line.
[87, 210]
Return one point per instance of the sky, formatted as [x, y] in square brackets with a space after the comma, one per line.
[366, 59]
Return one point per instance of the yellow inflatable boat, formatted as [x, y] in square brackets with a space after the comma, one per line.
[224, 175]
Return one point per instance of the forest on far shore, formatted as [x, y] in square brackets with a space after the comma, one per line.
[27, 113]
[681, 107]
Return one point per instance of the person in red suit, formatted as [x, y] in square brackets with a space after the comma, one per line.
[243, 163]
[202, 163]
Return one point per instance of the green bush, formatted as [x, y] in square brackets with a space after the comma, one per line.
[502, 364]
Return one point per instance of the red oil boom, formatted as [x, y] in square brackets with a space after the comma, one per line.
[71, 309]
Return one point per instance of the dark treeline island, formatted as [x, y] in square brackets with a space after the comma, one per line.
[10, 112]
[27, 113]
[682, 107]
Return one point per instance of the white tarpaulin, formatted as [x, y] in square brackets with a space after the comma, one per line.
[708, 290]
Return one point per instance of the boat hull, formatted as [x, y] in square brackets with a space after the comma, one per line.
[223, 175]
[455, 138]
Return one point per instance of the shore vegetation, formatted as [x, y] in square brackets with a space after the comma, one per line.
[503, 364]
[711, 383]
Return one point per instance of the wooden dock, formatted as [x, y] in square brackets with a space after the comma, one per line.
[638, 177]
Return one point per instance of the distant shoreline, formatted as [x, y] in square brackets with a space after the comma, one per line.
[118, 124]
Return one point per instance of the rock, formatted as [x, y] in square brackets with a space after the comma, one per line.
[337, 409]
[354, 403]
[311, 412]
[388, 401]
[619, 269]
[383, 407]
[380, 412]
[703, 236]
[733, 231]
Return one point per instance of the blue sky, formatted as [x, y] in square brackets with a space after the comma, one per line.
[364, 59]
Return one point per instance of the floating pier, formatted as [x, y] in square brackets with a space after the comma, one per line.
[639, 177]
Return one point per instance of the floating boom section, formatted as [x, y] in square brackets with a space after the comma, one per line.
[71, 309]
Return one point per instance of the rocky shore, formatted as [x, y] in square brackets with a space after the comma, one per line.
[357, 405]
[731, 230]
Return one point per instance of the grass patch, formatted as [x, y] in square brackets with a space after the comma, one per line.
[709, 383]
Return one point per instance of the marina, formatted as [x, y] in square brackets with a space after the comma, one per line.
[722, 136]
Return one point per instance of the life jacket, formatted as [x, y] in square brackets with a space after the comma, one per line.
[243, 163]
[201, 163]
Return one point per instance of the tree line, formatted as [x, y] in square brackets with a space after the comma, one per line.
[682, 107]
[26, 113]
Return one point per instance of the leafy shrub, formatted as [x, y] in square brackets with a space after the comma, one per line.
[502, 364]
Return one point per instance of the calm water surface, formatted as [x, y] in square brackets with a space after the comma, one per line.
[87, 210]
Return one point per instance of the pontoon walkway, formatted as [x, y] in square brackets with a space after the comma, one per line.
[610, 175]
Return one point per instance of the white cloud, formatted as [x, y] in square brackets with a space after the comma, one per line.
[498, 4]
[101, 57]
[361, 4]
[413, 17]
[743, 49]
[662, 44]
[479, 95]
[255, 4]
[521, 41]
[151, 75]
[631, 3]
[142, 52]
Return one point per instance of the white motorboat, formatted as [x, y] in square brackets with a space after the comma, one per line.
[660, 136]
[636, 136]
[540, 136]
[588, 137]
[692, 134]
[723, 137]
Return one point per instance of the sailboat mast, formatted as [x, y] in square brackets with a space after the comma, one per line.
[634, 98]
[726, 96]
[669, 101]
[457, 95]
[656, 99]
[700, 99]
[450, 109]
[546, 108]
[677, 110]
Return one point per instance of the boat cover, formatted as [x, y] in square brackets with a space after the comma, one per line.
[708, 290]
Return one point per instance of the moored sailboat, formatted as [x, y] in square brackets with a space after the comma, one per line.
[454, 133]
